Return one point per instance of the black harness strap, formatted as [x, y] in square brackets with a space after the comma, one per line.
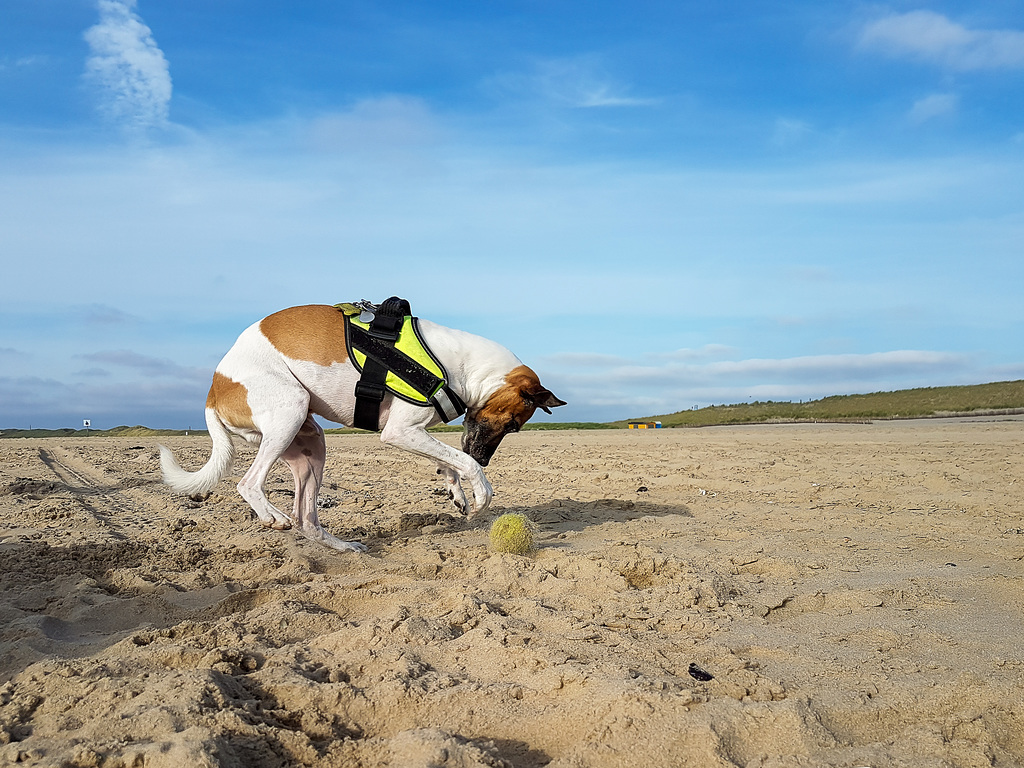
[378, 344]
[385, 327]
[369, 395]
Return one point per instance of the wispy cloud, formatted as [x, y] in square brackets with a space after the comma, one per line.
[933, 106]
[829, 367]
[7, 64]
[101, 314]
[101, 373]
[10, 353]
[48, 403]
[128, 67]
[151, 366]
[932, 37]
[577, 82]
[380, 127]
[788, 132]
[24, 396]
[706, 352]
[687, 379]
[585, 360]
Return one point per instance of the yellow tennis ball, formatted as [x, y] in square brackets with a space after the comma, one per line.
[512, 533]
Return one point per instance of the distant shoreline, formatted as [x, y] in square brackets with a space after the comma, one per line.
[145, 432]
[1000, 398]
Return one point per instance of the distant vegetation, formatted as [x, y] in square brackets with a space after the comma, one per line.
[568, 425]
[136, 431]
[139, 431]
[1003, 396]
[999, 397]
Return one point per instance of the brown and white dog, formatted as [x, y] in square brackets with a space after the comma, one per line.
[294, 364]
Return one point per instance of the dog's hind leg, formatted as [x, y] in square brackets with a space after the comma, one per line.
[305, 457]
[278, 425]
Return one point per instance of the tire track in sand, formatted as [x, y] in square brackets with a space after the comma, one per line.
[107, 503]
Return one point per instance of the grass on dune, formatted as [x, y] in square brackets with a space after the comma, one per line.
[976, 399]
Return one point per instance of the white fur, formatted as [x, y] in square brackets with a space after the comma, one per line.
[218, 465]
[283, 395]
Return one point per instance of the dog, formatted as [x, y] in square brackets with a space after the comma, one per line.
[295, 364]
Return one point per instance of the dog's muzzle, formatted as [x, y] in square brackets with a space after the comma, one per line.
[480, 442]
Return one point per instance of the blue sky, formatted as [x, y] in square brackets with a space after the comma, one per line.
[656, 205]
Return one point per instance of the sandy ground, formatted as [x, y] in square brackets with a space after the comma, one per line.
[803, 595]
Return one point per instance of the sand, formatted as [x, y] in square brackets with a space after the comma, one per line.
[792, 595]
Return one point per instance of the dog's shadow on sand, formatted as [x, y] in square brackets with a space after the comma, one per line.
[555, 516]
[574, 515]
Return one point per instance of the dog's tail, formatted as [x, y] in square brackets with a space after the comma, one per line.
[218, 465]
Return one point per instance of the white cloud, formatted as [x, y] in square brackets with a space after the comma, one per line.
[811, 368]
[24, 62]
[678, 385]
[144, 364]
[380, 128]
[933, 37]
[577, 82]
[829, 367]
[788, 132]
[101, 314]
[128, 67]
[705, 352]
[584, 360]
[216, 234]
[50, 403]
[935, 105]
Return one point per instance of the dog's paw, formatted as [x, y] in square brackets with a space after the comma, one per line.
[343, 546]
[459, 500]
[349, 546]
[482, 496]
[320, 536]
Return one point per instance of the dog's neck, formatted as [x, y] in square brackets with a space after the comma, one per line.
[476, 366]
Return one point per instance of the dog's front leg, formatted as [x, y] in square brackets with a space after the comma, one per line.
[411, 435]
[455, 492]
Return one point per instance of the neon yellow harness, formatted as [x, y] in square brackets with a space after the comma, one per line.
[386, 346]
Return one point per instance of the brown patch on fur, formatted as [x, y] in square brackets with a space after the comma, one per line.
[315, 333]
[507, 402]
[231, 401]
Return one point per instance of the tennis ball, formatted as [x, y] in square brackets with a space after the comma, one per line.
[512, 533]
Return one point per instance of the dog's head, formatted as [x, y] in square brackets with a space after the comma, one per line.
[505, 411]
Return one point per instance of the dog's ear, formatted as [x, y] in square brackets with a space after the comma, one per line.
[542, 398]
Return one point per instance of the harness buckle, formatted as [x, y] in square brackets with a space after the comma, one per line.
[386, 327]
[370, 390]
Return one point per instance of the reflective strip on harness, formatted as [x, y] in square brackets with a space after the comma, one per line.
[447, 409]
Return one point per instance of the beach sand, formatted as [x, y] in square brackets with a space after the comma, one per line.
[787, 595]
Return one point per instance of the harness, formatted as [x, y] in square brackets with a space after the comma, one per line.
[385, 345]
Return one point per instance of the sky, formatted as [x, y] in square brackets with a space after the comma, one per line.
[656, 205]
